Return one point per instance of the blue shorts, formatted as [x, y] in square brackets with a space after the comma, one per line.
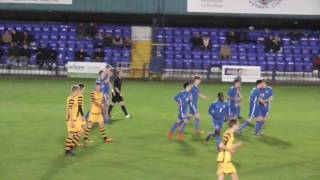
[255, 111]
[234, 111]
[182, 116]
[217, 124]
[193, 109]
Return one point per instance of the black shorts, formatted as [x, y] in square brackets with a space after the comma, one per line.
[117, 98]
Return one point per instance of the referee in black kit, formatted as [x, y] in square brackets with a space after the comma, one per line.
[117, 95]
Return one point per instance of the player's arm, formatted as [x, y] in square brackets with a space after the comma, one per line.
[94, 100]
[177, 98]
[70, 113]
[203, 96]
[80, 102]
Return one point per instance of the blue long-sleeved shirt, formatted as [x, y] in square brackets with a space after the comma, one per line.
[183, 98]
[218, 110]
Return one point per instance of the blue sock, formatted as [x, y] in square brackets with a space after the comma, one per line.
[258, 125]
[182, 127]
[106, 119]
[174, 127]
[261, 126]
[218, 140]
[197, 124]
[244, 125]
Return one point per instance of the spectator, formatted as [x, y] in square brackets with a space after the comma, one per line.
[15, 36]
[117, 41]
[13, 54]
[7, 37]
[27, 38]
[43, 56]
[91, 31]
[196, 41]
[107, 40]
[231, 37]
[24, 55]
[253, 35]
[52, 58]
[317, 64]
[243, 36]
[206, 43]
[268, 44]
[127, 43]
[98, 55]
[80, 55]
[81, 31]
[276, 45]
[295, 36]
[225, 51]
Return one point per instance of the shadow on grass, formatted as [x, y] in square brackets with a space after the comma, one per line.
[185, 148]
[269, 140]
[115, 120]
[62, 162]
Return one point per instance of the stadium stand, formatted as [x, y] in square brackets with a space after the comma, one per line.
[64, 40]
[294, 57]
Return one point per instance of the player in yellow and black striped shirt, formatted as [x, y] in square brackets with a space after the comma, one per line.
[72, 117]
[226, 149]
[95, 115]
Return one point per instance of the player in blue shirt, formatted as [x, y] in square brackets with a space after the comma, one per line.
[255, 106]
[266, 93]
[234, 100]
[104, 78]
[218, 112]
[194, 108]
[183, 100]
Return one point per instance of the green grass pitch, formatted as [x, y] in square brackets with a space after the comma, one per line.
[32, 131]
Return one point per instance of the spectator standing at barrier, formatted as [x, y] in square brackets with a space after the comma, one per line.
[13, 53]
[268, 44]
[98, 55]
[43, 54]
[206, 43]
[317, 64]
[225, 51]
[52, 58]
[80, 55]
[7, 37]
[117, 41]
[24, 55]
[107, 40]
[252, 35]
[196, 41]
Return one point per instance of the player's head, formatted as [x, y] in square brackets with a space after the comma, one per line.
[259, 83]
[197, 80]
[75, 89]
[233, 124]
[264, 83]
[108, 68]
[237, 83]
[221, 96]
[120, 73]
[187, 86]
[98, 86]
[81, 86]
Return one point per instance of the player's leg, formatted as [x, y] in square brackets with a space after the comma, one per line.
[69, 145]
[103, 133]
[234, 176]
[111, 105]
[87, 131]
[252, 115]
[182, 128]
[197, 123]
[123, 108]
[105, 109]
[221, 177]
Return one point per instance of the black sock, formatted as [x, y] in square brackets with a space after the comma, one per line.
[123, 107]
[110, 109]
